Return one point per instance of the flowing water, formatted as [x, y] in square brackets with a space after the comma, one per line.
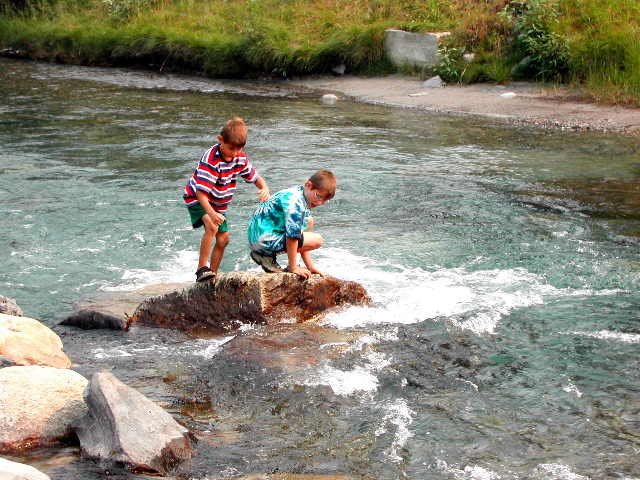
[502, 262]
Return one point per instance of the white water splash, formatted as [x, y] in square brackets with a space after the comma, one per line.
[608, 335]
[178, 270]
[468, 473]
[473, 300]
[342, 382]
[400, 416]
[554, 471]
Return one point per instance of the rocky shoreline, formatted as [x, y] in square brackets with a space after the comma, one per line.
[518, 103]
[43, 402]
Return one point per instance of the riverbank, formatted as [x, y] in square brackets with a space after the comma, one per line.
[517, 103]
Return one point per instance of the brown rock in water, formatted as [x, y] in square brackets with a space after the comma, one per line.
[236, 298]
[92, 320]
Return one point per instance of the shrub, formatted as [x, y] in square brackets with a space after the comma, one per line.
[538, 51]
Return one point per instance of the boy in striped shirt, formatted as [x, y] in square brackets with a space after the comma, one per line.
[211, 188]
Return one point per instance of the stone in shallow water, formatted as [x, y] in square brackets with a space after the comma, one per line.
[123, 427]
[237, 298]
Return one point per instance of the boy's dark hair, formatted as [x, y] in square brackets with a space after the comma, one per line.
[234, 132]
[324, 181]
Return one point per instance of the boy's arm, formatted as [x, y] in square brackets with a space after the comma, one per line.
[263, 189]
[308, 261]
[292, 254]
[216, 217]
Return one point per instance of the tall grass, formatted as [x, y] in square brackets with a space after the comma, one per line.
[594, 44]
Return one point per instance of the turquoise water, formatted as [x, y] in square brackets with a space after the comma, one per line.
[503, 263]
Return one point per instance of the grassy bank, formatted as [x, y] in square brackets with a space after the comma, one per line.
[593, 44]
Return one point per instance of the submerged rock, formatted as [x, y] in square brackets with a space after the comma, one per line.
[122, 426]
[38, 405]
[295, 476]
[235, 298]
[92, 320]
[9, 306]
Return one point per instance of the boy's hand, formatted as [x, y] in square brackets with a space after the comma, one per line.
[217, 218]
[298, 270]
[315, 270]
[264, 194]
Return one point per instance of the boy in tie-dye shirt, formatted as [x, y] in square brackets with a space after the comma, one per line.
[283, 224]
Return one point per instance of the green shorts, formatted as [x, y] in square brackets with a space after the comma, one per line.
[197, 212]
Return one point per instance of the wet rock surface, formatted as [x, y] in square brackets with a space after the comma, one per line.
[94, 320]
[38, 405]
[237, 298]
[123, 427]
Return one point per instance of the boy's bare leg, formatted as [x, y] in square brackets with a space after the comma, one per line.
[312, 241]
[222, 240]
[210, 231]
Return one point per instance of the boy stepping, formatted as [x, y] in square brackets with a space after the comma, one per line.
[284, 223]
[210, 191]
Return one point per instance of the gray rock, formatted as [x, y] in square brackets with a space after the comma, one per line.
[92, 319]
[237, 298]
[38, 405]
[415, 49]
[123, 427]
[18, 471]
[329, 98]
[339, 70]
[9, 306]
[433, 82]
[6, 362]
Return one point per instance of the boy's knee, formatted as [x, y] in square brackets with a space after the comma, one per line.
[315, 240]
[222, 241]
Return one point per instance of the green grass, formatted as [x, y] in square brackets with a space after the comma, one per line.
[591, 44]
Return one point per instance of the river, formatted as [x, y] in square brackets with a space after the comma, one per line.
[502, 262]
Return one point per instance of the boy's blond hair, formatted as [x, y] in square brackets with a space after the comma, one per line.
[234, 132]
[324, 181]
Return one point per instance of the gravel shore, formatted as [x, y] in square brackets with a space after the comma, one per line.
[516, 103]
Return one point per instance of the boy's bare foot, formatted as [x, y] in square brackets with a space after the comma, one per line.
[268, 262]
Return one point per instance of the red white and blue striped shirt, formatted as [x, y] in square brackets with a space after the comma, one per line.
[217, 178]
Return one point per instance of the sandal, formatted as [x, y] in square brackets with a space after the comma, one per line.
[204, 273]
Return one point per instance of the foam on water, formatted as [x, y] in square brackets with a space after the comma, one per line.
[549, 471]
[206, 348]
[177, 270]
[474, 300]
[343, 382]
[609, 335]
[398, 417]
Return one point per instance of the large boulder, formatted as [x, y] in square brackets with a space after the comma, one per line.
[235, 298]
[28, 342]
[38, 404]
[18, 471]
[123, 427]
[415, 49]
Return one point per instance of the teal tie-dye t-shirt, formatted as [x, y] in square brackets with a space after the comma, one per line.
[286, 214]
